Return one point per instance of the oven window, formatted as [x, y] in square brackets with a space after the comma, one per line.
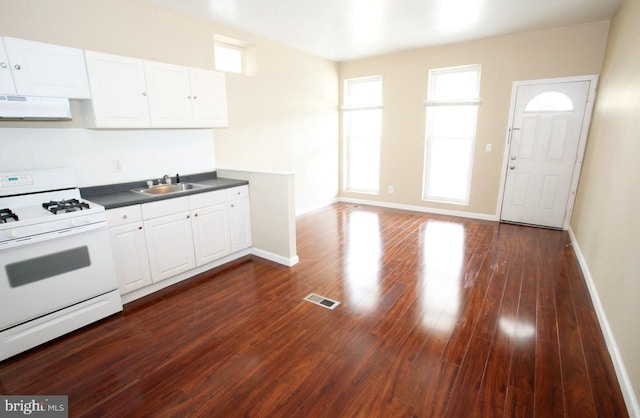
[43, 267]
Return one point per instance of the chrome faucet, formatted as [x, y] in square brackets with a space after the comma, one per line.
[165, 179]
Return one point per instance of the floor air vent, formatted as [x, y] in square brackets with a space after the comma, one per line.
[322, 301]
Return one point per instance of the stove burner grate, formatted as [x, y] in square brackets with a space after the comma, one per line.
[64, 206]
[6, 215]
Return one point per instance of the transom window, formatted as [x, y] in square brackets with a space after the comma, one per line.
[452, 107]
[228, 58]
[550, 101]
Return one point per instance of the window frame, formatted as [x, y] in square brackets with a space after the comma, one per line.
[346, 109]
[427, 195]
[233, 47]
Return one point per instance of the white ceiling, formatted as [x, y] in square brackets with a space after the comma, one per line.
[342, 30]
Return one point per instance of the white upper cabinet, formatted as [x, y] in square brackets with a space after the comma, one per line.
[208, 98]
[169, 97]
[119, 92]
[132, 93]
[6, 79]
[40, 69]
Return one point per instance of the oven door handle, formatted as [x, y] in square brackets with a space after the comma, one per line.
[5, 245]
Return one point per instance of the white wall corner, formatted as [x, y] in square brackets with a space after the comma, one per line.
[618, 364]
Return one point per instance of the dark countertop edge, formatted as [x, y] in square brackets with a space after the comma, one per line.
[118, 195]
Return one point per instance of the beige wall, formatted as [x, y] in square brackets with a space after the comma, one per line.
[605, 220]
[576, 50]
[284, 118]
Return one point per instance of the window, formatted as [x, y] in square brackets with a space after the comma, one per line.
[550, 101]
[362, 116]
[228, 58]
[452, 107]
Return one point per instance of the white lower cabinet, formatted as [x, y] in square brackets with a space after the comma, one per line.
[170, 245]
[159, 240]
[167, 226]
[240, 224]
[210, 221]
[129, 248]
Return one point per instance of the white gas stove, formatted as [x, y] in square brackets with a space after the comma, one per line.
[56, 265]
[35, 204]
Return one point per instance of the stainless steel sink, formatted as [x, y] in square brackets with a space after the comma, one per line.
[169, 188]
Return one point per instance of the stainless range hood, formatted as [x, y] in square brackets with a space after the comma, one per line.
[34, 108]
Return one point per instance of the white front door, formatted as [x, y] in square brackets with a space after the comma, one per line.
[547, 133]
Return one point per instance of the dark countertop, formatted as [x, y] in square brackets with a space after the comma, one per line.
[118, 195]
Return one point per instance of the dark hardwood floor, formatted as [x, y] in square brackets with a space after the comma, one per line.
[440, 317]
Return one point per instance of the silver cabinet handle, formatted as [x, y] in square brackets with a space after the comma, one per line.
[17, 67]
[511, 167]
[144, 93]
[3, 64]
[513, 157]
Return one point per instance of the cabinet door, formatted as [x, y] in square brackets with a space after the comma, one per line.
[211, 233]
[47, 70]
[6, 79]
[170, 245]
[119, 91]
[130, 256]
[209, 98]
[169, 96]
[240, 224]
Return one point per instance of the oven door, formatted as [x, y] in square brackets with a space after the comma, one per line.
[45, 276]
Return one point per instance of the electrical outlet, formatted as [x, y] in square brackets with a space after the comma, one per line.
[117, 166]
[488, 147]
[391, 189]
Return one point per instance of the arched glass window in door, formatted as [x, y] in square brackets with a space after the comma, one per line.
[550, 101]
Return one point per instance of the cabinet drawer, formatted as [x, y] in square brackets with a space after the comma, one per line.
[201, 200]
[123, 216]
[165, 207]
[240, 192]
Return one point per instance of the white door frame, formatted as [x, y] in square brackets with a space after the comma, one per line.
[584, 132]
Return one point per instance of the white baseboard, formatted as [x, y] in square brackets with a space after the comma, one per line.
[462, 214]
[316, 207]
[289, 262]
[618, 364]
